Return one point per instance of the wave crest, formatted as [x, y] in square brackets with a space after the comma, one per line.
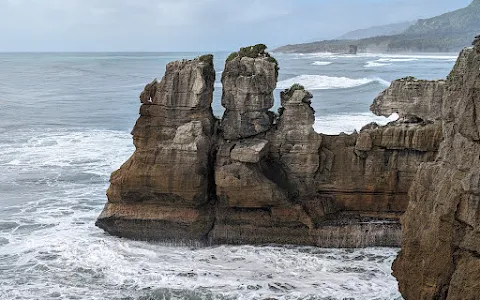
[336, 124]
[321, 63]
[322, 82]
[374, 64]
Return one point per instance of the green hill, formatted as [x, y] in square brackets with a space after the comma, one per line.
[389, 29]
[461, 21]
[449, 32]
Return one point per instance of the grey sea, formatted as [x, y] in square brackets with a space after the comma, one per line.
[65, 120]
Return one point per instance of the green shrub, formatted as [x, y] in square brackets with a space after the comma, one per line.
[232, 56]
[207, 58]
[254, 52]
[408, 78]
[293, 88]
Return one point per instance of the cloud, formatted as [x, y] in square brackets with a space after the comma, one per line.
[173, 25]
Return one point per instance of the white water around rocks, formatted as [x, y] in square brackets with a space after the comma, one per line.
[63, 133]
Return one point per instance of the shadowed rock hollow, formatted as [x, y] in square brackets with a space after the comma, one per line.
[258, 177]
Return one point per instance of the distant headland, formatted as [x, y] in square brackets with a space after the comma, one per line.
[449, 32]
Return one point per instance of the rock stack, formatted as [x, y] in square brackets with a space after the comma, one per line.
[164, 191]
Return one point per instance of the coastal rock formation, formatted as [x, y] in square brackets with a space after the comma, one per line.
[411, 97]
[255, 176]
[248, 80]
[168, 178]
[440, 257]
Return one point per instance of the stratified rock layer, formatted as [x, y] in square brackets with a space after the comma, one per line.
[248, 84]
[440, 257]
[411, 97]
[168, 178]
[257, 177]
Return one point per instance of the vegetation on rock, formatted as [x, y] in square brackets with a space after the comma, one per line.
[295, 87]
[254, 51]
[207, 58]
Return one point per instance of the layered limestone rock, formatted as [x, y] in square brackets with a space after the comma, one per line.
[440, 257]
[258, 177]
[295, 145]
[411, 97]
[164, 190]
[262, 199]
[248, 81]
[371, 172]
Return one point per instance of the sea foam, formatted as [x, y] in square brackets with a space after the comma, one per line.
[322, 82]
[321, 63]
[52, 242]
[374, 64]
[336, 124]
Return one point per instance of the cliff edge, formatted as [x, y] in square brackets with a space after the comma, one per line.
[440, 257]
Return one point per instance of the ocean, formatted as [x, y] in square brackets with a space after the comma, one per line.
[65, 120]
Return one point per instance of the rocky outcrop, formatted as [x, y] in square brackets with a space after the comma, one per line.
[258, 177]
[248, 80]
[411, 97]
[164, 190]
[440, 257]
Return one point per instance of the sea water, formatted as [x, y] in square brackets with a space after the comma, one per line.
[65, 120]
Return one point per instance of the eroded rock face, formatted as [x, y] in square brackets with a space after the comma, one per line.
[440, 257]
[411, 97]
[163, 191]
[294, 142]
[248, 85]
[257, 177]
[372, 172]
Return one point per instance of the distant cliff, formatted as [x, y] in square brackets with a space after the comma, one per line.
[449, 32]
[256, 176]
[389, 29]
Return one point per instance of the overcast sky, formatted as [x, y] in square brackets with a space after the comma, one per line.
[194, 25]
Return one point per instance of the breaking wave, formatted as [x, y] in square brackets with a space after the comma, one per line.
[374, 64]
[321, 63]
[397, 59]
[322, 82]
[336, 124]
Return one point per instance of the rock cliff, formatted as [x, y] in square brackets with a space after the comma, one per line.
[411, 97]
[256, 176]
[440, 257]
[164, 190]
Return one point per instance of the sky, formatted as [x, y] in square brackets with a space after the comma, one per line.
[194, 25]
